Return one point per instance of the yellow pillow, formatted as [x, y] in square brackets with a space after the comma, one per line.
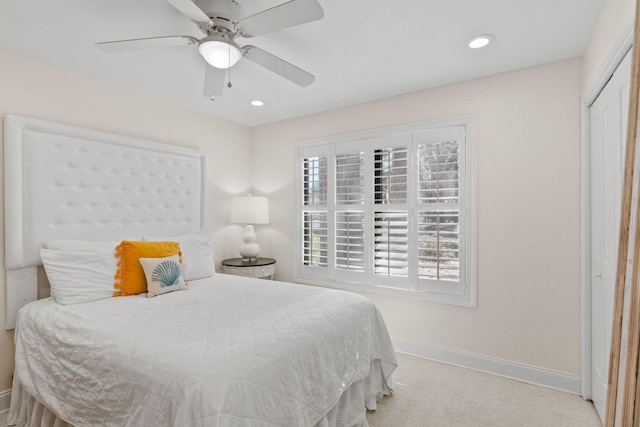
[130, 278]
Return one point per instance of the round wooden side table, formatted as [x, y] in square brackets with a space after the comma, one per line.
[258, 267]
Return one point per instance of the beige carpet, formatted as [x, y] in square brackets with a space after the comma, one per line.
[433, 394]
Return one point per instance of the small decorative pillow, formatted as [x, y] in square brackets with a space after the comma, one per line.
[130, 278]
[163, 275]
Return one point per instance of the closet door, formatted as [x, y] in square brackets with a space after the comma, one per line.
[608, 140]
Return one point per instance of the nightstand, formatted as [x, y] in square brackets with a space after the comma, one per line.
[259, 267]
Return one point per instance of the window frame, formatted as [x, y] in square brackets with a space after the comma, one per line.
[352, 142]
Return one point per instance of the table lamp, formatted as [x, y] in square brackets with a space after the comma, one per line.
[249, 210]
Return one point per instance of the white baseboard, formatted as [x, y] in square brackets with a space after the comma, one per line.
[5, 398]
[504, 368]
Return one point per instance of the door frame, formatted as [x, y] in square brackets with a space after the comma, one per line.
[591, 92]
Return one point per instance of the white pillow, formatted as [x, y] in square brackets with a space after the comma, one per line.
[163, 275]
[79, 276]
[81, 245]
[197, 254]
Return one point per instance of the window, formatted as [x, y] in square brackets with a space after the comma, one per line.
[390, 211]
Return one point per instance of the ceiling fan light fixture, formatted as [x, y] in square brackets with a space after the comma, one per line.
[220, 52]
[480, 41]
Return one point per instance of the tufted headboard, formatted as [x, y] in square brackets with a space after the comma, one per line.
[64, 182]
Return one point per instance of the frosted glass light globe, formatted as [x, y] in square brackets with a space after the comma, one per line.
[219, 52]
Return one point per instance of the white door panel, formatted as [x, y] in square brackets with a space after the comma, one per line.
[608, 139]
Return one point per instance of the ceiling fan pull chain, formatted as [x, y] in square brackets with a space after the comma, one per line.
[229, 82]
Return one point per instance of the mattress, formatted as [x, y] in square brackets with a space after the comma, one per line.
[229, 351]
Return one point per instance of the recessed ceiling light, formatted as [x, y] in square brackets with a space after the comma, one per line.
[257, 103]
[480, 41]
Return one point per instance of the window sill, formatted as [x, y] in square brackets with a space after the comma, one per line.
[468, 301]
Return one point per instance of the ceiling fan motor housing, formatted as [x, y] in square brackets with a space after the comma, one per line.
[221, 11]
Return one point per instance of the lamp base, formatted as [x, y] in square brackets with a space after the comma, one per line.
[249, 249]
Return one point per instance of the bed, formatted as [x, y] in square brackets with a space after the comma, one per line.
[229, 351]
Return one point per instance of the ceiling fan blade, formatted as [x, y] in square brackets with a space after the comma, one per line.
[278, 66]
[147, 43]
[213, 82]
[294, 12]
[189, 9]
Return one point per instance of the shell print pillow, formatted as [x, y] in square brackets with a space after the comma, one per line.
[163, 275]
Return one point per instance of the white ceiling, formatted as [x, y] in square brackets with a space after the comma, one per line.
[360, 51]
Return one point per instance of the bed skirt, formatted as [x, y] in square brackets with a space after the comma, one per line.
[349, 411]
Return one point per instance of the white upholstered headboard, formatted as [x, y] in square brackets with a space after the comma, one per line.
[64, 182]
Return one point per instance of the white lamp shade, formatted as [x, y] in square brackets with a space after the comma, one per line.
[249, 210]
[219, 52]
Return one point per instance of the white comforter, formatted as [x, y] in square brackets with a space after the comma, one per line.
[229, 351]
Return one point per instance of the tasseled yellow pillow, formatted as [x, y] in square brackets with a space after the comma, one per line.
[130, 278]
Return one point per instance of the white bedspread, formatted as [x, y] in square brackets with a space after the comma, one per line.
[229, 351]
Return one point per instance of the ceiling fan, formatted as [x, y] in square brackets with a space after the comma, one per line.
[222, 21]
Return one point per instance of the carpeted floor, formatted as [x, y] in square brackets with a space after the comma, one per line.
[432, 394]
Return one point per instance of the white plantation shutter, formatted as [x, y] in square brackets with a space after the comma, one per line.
[438, 245]
[350, 250]
[315, 181]
[349, 216]
[438, 228]
[390, 225]
[390, 174]
[314, 244]
[440, 219]
[391, 243]
[315, 227]
[350, 178]
[388, 212]
[438, 172]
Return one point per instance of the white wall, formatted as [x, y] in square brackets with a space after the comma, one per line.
[528, 211]
[615, 17]
[42, 91]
